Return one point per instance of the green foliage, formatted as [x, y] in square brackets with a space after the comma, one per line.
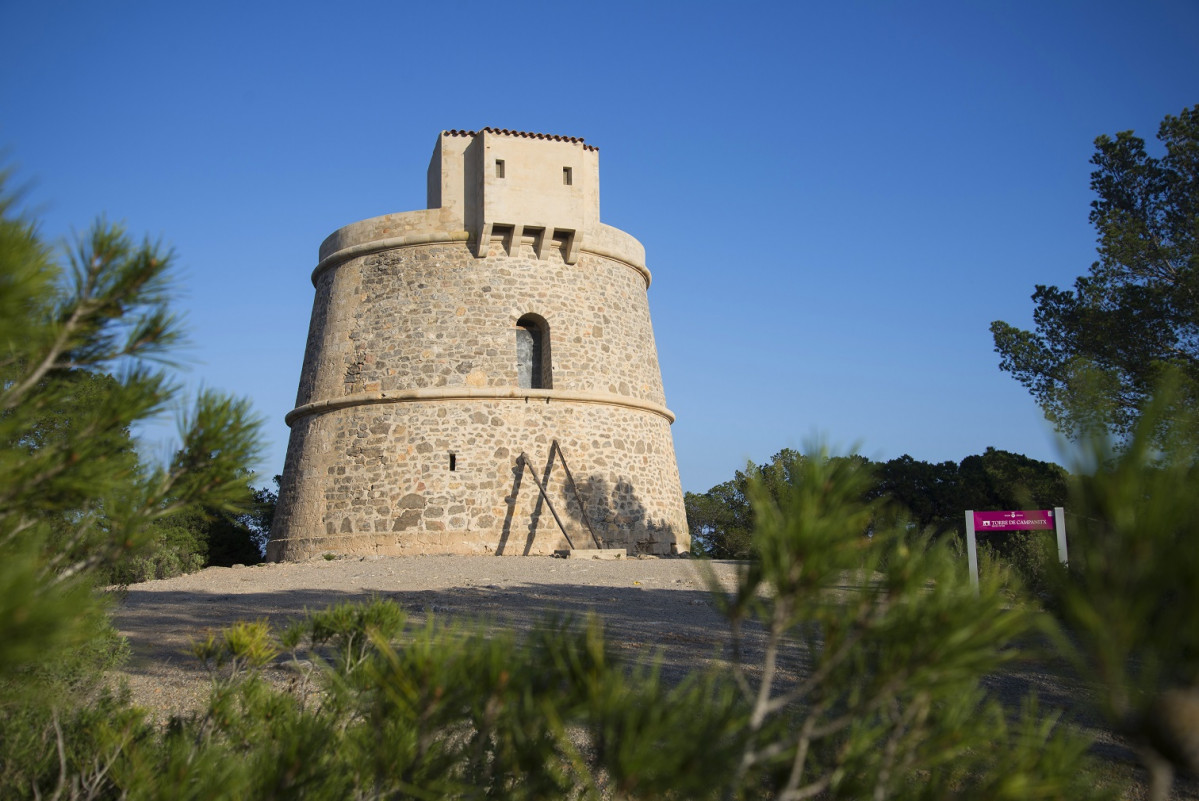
[191, 539]
[82, 359]
[158, 560]
[928, 496]
[720, 521]
[242, 645]
[261, 514]
[443, 713]
[70, 751]
[1099, 350]
[1001, 480]
[891, 704]
[1130, 598]
[351, 630]
[1031, 556]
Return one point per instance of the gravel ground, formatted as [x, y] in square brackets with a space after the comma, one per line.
[650, 606]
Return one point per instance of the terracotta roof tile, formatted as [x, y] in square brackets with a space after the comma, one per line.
[525, 134]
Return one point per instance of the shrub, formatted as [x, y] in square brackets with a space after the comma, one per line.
[891, 703]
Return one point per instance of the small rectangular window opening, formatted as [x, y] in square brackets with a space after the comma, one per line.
[499, 168]
[453, 462]
[566, 176]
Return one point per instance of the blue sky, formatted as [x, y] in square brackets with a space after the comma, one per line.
[836, 199]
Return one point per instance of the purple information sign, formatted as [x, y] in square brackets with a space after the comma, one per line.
[1034, 520]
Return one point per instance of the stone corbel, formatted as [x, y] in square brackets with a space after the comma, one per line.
[512, 246]
[572, 245]
[541, 239]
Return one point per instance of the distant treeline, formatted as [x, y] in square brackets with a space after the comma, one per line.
[932, 496]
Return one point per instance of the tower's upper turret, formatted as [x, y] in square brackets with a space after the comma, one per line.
[517, 184]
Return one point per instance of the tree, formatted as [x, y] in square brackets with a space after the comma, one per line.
[261, 515]
[998, 479]
[929, 496]
[56, 426]
[201, 536]
[1099, 350]
[721, 520]
[83, 356]
[927, 493]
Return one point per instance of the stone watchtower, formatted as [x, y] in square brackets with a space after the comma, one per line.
[447, 342]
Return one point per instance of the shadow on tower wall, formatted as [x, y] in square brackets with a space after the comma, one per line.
[617, 512]
[592, 506]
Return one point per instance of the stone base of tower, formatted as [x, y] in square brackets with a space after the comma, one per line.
[444, 477]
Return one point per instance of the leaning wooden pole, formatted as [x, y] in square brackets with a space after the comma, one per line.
[524, 461]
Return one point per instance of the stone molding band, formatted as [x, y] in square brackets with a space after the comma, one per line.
[475, 393]
[437, 238]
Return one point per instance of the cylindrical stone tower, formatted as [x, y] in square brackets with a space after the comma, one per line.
[445, 343]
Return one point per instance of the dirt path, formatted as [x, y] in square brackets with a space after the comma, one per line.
[646, 604]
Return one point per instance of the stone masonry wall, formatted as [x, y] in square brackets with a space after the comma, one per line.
[379, 479]
[435, 316]
[368, 474]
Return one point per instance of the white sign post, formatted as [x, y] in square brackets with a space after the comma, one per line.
[971, 550]
[1035, 520]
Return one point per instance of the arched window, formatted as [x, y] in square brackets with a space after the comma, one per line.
[533, 369]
